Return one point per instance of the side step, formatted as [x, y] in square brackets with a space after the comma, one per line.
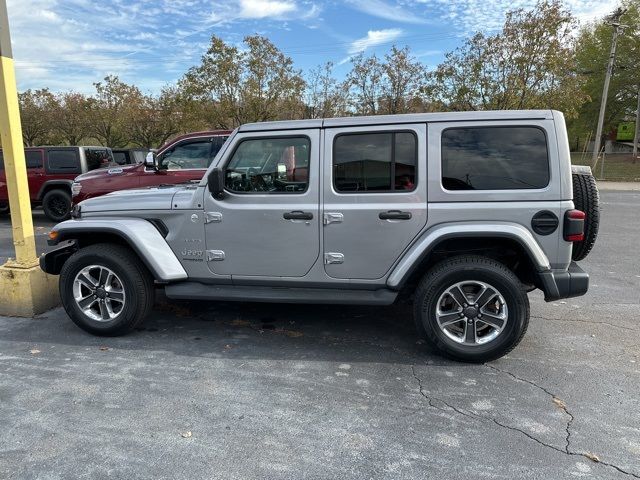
[230, 293]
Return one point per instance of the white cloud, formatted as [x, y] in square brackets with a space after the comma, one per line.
[380, 9]
[265, 8]
[373, 38]
[470, 16]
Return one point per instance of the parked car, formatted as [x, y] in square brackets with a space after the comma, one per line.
[129, 156]
[463, 213]
[50, 173]
[180, 160]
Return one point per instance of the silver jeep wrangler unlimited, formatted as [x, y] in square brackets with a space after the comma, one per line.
[464, 213]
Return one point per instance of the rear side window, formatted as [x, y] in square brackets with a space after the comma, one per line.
[33, 158]
[375, 162]
[494, 158]
[63, 161]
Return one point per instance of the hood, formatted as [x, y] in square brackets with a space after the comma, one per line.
[153, 198]
[109, 171]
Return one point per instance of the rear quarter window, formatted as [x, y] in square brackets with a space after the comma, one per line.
[63, 161]
[494, 158]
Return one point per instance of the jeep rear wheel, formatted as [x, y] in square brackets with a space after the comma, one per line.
[57, 205]
[105, 289]
[471, 308]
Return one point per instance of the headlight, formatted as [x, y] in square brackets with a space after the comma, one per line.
[75, 188]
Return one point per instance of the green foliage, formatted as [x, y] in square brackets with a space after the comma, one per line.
[529, 64]
[254, 84]
[592, 55]
[538, 60]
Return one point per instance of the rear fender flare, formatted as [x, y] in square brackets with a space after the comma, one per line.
[423, 246]
[51, 184]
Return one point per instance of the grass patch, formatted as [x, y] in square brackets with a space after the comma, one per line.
[618, 167]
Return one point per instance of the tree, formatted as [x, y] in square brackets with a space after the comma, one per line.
[155, 119]
[325, 97]
[36, 107]
[404, 81]
[254, 84]
[71, 117]
[111, 111]
[364, 84]
[529, 64]
[592, 55]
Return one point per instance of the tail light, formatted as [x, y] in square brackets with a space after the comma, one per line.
[574, 226]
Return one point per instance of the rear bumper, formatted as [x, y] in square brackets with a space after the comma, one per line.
[573, 282]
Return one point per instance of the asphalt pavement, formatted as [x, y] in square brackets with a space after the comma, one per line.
[254, 391]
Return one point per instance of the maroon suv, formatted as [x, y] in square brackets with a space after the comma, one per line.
[180, 160]
[50, 173]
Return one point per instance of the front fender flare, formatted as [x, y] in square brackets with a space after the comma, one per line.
[138, 233]
[428, 240]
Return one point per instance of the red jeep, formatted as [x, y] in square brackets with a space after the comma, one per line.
[180, 160]
[50, 173]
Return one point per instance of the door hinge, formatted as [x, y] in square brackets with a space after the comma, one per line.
[332, 217]
[215, 255]
[212, 217]
[333, 257]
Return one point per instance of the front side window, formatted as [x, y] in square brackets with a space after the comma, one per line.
[63, 161]
[120, 158]
[375, 162]
[494, 158]
[269, 165]
[186, 156]
[98, 158]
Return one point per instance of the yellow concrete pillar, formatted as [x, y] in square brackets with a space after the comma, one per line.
[25, 290]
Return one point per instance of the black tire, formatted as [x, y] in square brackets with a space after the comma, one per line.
[587, 199]
[57, 205]
[470, 268]
[4, 209]
[136, 281]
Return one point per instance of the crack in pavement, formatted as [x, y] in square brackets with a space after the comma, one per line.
[556, 400]
[566, 450]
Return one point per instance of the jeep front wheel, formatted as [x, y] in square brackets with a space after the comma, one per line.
[471, 308]
[4, 209]
[57, 205]
[105, 289]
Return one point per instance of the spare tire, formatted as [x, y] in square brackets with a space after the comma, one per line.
[587, 199]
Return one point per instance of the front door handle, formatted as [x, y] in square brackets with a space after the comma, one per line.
[298, 215]
[394, 215]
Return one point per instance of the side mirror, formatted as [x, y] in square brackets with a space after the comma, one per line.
[215, 181]
[150, 159]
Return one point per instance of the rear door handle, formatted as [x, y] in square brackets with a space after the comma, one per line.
[394, 215]
[298, 215]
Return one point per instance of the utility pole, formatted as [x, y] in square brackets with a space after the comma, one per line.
[636, 138]
[614, 21]
[24, 289]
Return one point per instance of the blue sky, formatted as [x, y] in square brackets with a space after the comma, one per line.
[69, 44]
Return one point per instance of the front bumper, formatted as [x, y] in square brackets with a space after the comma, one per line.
[52, 261]
[573, 282]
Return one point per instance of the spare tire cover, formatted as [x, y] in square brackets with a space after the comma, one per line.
[587, 199]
